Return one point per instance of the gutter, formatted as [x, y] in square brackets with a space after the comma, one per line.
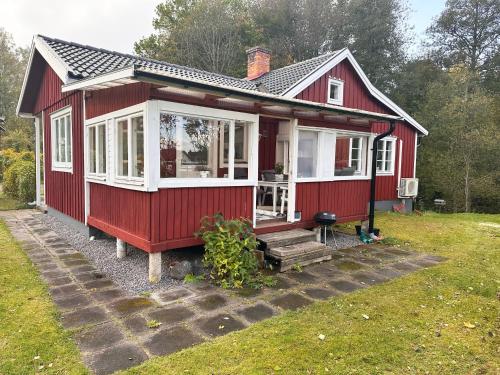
[371, 216]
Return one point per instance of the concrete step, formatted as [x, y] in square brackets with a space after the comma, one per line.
[296, 250]
[285, 238]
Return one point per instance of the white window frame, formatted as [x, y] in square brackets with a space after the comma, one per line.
[237, 163]
[393, 156]
[129, 179]
[340, 85]
[98, 175]
[368, 138]
[59, 166]
[159, 106]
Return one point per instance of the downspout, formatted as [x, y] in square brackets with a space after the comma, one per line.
[371, 216]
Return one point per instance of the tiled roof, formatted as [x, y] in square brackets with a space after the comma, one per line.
[278, 80]
[85, 62]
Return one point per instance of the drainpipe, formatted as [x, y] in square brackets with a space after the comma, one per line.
[371, 216]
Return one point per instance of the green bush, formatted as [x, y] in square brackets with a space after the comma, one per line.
[7, 158]
[229, 246]
[20, 181]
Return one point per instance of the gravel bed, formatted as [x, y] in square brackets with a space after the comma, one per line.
[130, 273]
[344, 241]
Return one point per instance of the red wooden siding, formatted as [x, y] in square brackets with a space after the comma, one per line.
[347, 199]
[355, 93]
[268, 130]
[165, 219]
[100, 102]
[64, 191]
[386, 185]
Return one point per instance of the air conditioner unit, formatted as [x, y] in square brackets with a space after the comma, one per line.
[408, 188]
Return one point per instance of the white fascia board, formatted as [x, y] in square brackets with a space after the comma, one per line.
[336, 59]
[51, 58]
[124, 73]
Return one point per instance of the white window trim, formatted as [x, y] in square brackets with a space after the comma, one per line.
[57, 165]
[128, 179]
[340, 84]
[393, 157]
[237, 164]
[210, 114]
[135, 183]
[318, 178]
[96, 176]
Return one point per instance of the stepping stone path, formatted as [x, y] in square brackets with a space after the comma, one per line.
[112, 327]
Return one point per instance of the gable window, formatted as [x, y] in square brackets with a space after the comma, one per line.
[96, 135]
[61, 136]
[335, 91]
[130, 147]
[385, 156]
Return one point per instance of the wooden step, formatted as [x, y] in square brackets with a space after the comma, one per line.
[303, 253]
[288, 237]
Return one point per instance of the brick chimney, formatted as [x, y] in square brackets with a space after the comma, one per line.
[259, 62]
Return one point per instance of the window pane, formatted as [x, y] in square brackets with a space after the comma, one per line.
[307, 154]
[334, 92]
[350, 156]
[92, 150]
[62, 143]
[101, 134]
[122, 154]
[328, 154]
[68, 139]
[137, 147]
[189, 147]
[241, 146]
[57, 145]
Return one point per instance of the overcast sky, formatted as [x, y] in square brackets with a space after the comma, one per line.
[117, 24]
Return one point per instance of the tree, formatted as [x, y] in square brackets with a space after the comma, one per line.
[459, 160]
[19, 132]
[467, 32]
[204, 34]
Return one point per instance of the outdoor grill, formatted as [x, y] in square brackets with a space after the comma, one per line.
[326, 219]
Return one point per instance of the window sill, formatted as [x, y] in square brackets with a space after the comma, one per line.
[385, 173]
[62, 168]
[129, 181]
[203, 182]
[98, 178]
[333, 179]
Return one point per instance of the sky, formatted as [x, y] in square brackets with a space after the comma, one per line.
[117, 24]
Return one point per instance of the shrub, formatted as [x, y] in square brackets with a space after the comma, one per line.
[7, 158]
[20, 181]
[229, 246]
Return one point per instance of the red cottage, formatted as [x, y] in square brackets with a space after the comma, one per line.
[143, 149]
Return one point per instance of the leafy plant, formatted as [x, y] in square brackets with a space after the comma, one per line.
[19, 181]
[153, 324]
[229, 246]
[297, 267]
[279, 168]
[191, 278]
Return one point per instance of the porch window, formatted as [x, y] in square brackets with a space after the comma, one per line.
[335, 91]
[195, 147]
[385, 156]
[61, 135]
[130, 147]
[350, 155]
[96, 135]
[307, 154]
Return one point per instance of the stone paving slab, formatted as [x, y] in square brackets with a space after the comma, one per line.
[110, 326]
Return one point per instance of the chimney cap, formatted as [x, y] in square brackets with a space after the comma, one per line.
[258, 49]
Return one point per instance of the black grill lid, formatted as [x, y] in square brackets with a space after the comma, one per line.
[325, 218]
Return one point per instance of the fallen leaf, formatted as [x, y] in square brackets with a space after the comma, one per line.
[221, 327]
[469, 325]
[321, 337]
[37, 357]
[366, 316]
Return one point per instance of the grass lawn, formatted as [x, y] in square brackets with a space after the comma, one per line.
[443, 320]
[7, 203]
[28, 325]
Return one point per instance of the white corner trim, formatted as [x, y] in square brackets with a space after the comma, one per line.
[336, 59]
